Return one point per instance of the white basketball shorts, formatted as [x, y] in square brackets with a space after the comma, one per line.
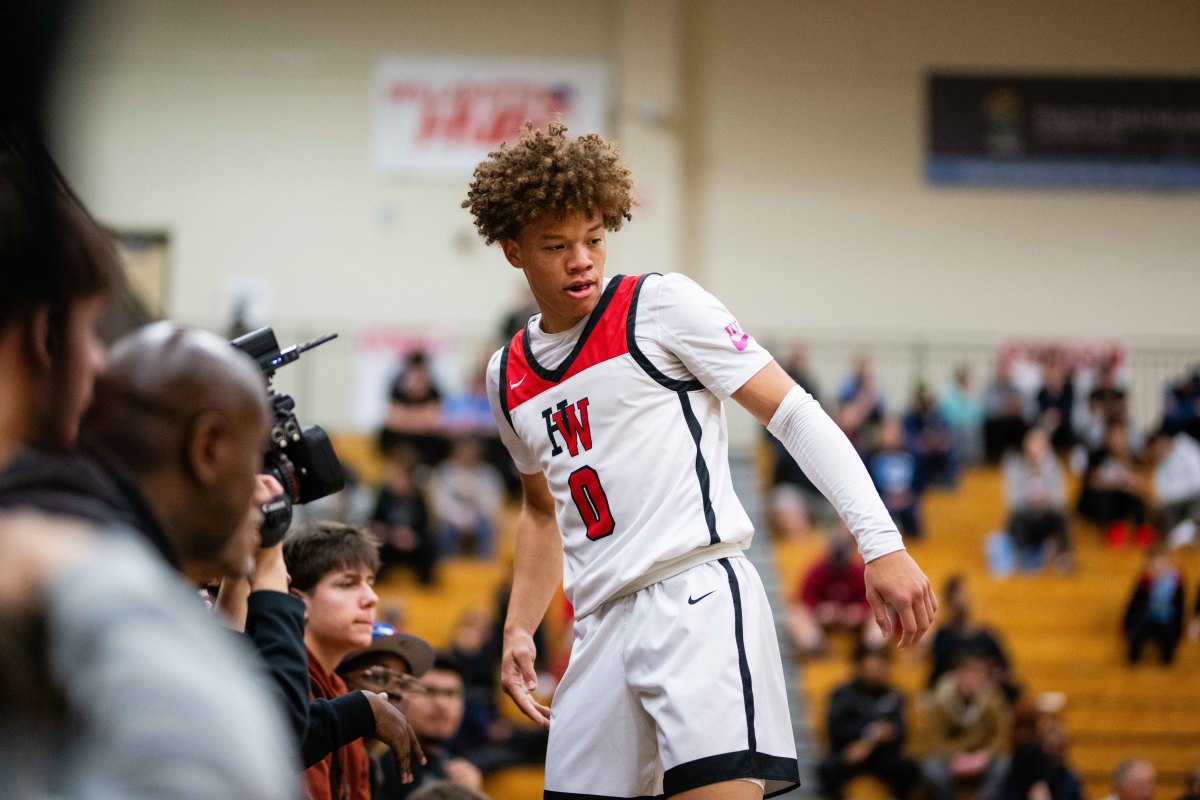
[676, 686]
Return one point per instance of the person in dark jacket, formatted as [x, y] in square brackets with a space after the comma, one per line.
[401, 520]
[960, 635]
[1038, 770]
[866, 730]
[1155, 609]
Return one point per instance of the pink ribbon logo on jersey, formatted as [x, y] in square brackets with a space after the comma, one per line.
[739, 339]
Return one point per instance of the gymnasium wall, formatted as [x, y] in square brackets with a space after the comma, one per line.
[778, 146]
[812, 209]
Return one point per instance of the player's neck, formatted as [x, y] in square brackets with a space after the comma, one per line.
[558, 324]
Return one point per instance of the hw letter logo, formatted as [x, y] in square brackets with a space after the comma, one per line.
[570, 421]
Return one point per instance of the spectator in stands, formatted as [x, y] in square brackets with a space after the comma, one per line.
[484, 738]
[522, 308]
[960, 635]
[333, 569]
[1063, 782]
[931, 439]
[1111, 495]
[1155, 609]
[963, 409]
[1038, 769]
[414, 415]
[1007, 413]
[1176, 462]
[894, 471]
[1181, 405]
[1107, 404]
[860, 404]
[1191, 785]
[436, 714]
[468, 413]
[1134, 779]
[867, 730]
[1056, 404]
[833, 594]
[795, 364]
[967, 729]
[467, 493]
[1036, 496]
[401, 520]
[478, 653]
[391, 664]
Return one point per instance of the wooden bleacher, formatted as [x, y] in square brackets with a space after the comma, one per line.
[1061, 632]
[1062, 635]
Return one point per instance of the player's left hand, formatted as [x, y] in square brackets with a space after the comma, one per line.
[900, 593]
[518, 677]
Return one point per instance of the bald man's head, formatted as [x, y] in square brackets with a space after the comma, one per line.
[187, 414]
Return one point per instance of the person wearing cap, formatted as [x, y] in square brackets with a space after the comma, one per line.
[436, 714]
[391, 664]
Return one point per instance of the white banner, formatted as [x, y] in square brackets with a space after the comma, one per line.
[441, 117]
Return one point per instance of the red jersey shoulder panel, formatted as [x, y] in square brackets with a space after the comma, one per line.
[606, 340]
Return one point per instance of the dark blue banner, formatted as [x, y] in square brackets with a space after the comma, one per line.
[1064, 132]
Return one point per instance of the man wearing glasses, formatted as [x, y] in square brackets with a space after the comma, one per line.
[392, 663]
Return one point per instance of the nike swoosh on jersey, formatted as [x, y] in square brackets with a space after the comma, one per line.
[693, 601]
[523, 377]
[740, 344]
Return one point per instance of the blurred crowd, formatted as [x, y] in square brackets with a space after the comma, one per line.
[1072, 461]
[1137, 486]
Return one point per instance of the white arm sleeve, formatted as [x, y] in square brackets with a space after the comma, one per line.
[830, 462]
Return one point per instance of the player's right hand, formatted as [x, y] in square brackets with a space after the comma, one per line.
[518, 676]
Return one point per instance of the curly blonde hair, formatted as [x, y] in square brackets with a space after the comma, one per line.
[545, 173]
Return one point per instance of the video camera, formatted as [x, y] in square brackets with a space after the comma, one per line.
[301, 459]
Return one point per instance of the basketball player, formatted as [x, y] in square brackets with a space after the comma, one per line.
[610, 403]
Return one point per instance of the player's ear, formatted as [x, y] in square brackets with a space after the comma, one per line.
[512, 251]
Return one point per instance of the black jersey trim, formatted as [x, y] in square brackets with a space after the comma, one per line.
[504, 384]
[702, 475]
[731, 766]
[743, 661]
[555, 375]
[640, 357]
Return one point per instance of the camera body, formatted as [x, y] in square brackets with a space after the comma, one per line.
[301, 458]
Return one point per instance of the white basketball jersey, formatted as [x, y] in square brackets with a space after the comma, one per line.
[629, 430]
